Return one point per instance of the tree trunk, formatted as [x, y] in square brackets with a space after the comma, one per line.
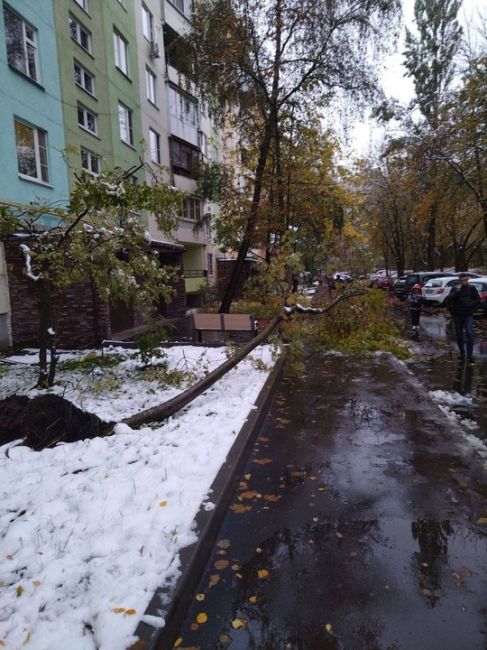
[232, 286]
[46, 340]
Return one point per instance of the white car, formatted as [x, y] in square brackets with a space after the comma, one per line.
[438, 289]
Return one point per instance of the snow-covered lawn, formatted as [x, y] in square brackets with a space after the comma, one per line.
[90, 529]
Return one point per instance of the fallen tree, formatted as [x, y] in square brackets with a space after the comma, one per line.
[163, 411]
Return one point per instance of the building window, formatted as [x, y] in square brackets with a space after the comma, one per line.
[179, 4]
[183, 107]
[79, 34]
[192, 209]
[209, 257]
[83, 4]
[83, 78]
[155, 148]
[120, 48]
[21, 40]
[184, 157]
[150, 84]
[90, 161]
[147, 24]
[125, 123]
[31, 152]
[86, 119]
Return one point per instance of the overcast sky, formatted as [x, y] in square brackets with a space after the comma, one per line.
[365, 135]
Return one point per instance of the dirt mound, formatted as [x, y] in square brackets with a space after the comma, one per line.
[45, 420]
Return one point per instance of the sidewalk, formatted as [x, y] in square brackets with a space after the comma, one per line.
[358, 522]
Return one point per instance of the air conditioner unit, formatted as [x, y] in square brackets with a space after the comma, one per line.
[154, 50]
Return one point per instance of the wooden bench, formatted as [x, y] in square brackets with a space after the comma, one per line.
[211, 327]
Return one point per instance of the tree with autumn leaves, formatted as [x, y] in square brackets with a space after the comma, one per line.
[267, 68]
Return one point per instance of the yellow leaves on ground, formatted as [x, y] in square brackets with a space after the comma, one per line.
[250, 494]
[252, 599]
[178, 644]
[27, 638]
[10, 557]
[122, 610]
[163, 504]
[19, 591]
[239, 508]
[200, 597]
[247, 477]
[223, 543]
[214, 580]
[339, 535]
[263, 439]
[221, 564]
[272, 497]
[262, 461]
[482, 520]
[201, 618]
[2, 643]
[224, 639]
[329, 628]
[322, 488]
[262, 574]
[239, 623]
[36, 583]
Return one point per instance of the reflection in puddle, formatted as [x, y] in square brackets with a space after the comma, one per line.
[432, 557]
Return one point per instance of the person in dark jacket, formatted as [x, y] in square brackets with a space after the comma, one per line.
[461, 303]
[415, 300]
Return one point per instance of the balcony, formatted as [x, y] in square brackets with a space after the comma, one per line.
[195, 280]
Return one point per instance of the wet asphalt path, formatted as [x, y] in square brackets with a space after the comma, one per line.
[356, 524]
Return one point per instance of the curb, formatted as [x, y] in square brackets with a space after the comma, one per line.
[194, 557]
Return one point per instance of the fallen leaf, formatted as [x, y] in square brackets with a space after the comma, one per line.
[130, 612]
[163, 504]
[339, 535]
[311, 541]
[262, 574]
[194, 627]
[240, 508]
[427, 592]
[200, 597]
[36, 583]
[224, 638]
[2, 643]
[221, 564]
[223, 543]
[235, 567]
[322, 488]
[10, 557]
[272, 497]
[252, 599]
[263, 439]
[27, 638]
[482, 520]
[201, 618]
[329, 628]
[118, 610]
[315, 519]
[221, 552]
[353, 553]
[19, 591]
[247, 477]
[312, 478]
[239, 576]
[250, 494]
[258, 549]
[214, 580]
[239, 623]
[262, 461]
[243, 485]
[297, 474]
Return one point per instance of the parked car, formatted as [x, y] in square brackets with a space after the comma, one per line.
[399, 289]
[437, 290]
[480, 283]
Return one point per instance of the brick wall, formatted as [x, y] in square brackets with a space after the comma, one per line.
[82, 320]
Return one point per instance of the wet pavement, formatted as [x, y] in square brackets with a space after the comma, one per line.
[359, 522]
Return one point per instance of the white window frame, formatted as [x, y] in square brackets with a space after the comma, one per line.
[84, 124]
[83, 4]
[84, 74]
[27, 42]
[151, 86]
[155, 146]
[40, 142]
[91, 158]
[79, 28]
[147, 23]
[125, 124]
[120, 48]
[192, 207]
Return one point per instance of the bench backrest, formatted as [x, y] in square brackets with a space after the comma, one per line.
[224, 322]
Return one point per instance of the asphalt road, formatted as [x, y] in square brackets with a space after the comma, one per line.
[359, 522]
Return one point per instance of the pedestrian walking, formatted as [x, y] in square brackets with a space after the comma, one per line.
[461, 303]
[415, 300]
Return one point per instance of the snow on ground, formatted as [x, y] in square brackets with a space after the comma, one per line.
[91, 529]
[447, 400]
